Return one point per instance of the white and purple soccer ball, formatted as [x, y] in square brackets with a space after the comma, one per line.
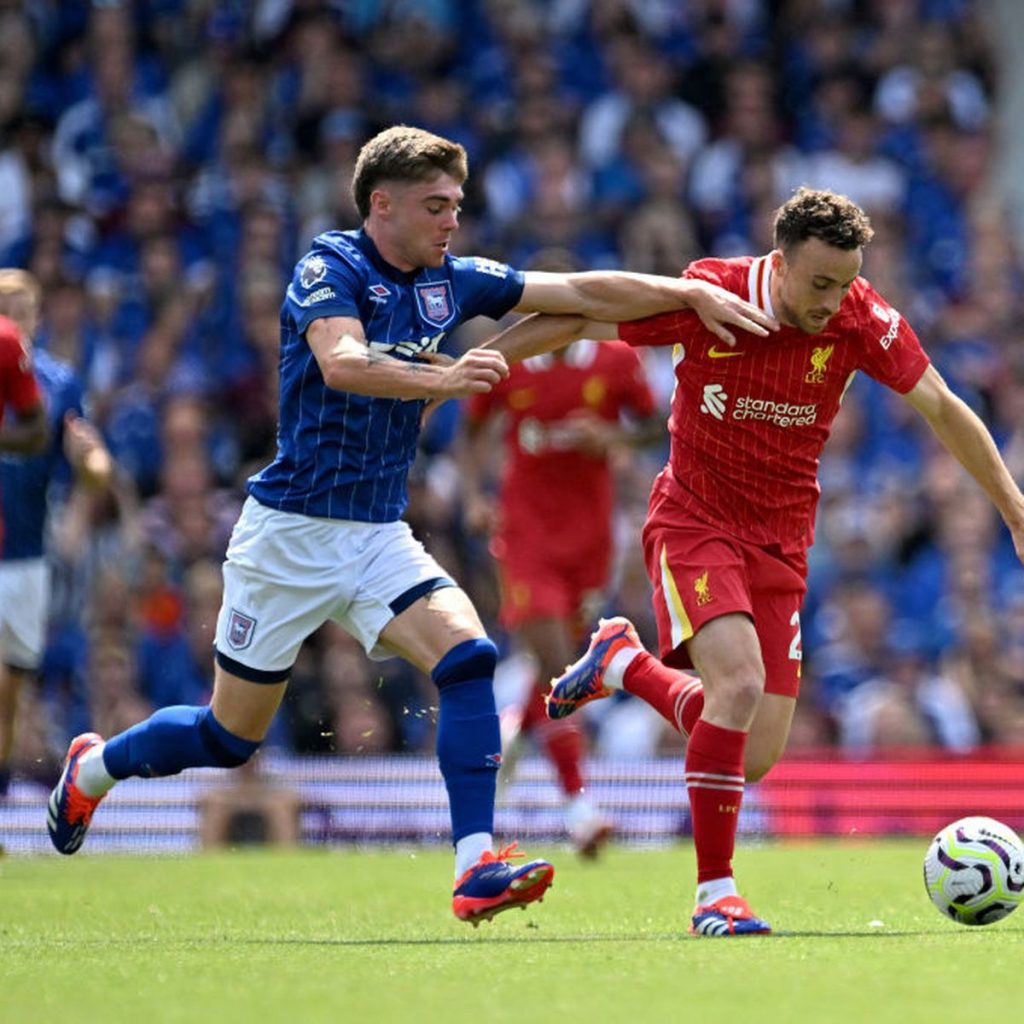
[974, 870]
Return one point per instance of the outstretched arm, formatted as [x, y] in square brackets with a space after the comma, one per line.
[969, 441]
[88, 455]
[615, 296]
[475, 447]
[540, 332]
[349, 363]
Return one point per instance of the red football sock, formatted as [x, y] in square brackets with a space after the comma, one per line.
[534, 711]
[560, 741]
[676, 696]
[714, 781]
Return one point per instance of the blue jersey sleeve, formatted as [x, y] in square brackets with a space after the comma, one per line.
[485, 287]
[326, 282]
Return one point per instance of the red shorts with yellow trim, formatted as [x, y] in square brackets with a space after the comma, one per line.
[699, 573]
[541, 588]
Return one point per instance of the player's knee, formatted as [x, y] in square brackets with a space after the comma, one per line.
[469, 660]
[758, 764]
[225, 748]
[468, 737]
[742, 695]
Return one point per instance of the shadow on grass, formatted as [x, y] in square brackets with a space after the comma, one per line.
[208, 942]
[517, 940]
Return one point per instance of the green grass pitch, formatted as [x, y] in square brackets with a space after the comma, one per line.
[340, 935]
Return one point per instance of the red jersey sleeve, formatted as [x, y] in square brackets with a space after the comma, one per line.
[18, 385]
[671, 328]
[892, 353]
[661, 329]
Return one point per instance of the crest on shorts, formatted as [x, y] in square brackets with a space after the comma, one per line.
[701, 589]
[435, 303]
[240, 630]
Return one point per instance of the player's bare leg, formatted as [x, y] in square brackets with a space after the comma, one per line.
[11, 682]
[441, 633]
[244, 708]
[766, 741]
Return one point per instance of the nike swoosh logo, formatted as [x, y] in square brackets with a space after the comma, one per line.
[714, 353]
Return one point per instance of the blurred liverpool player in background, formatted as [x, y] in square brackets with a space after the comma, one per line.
[75, 453]
[731, 516]
[23, 431]
[561, 415]
[321, 535]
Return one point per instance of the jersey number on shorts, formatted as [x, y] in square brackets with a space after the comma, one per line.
[795, 650]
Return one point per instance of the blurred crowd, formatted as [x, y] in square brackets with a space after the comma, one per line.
[163, 163]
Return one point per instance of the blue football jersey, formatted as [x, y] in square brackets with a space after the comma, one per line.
[26, 481]
[347, 456]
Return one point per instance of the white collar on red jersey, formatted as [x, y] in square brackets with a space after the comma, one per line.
[759, 283]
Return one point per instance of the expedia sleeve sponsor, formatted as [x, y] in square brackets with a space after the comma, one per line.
[782, 414]
[894, 328]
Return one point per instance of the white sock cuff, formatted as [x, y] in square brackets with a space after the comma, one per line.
[715, 889]
[616, 669]
[92, 777]
[469, 849]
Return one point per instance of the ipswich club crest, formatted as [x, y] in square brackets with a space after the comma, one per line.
[435, 303]
[240, 630]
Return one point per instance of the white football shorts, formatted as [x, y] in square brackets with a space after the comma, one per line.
[285, 575]
[24, 607]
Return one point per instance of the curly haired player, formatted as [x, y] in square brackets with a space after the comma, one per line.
[731, 516]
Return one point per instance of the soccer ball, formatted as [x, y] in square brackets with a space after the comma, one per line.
[974, 870]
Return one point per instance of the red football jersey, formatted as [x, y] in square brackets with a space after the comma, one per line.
[18, 386]
[555, 498]
[748, 423]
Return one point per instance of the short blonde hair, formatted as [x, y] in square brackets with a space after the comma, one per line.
[20, 282]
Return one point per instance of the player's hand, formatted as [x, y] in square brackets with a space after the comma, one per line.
[80, 438]
[479, 515]
[719, 309]
[476, 371]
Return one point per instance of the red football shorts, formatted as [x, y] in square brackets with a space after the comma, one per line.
[535, 586]
[699, 573]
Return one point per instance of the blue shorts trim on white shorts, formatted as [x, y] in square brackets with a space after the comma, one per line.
[285, 575]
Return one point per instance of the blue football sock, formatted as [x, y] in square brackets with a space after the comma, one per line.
[468, 739]
[173, 739]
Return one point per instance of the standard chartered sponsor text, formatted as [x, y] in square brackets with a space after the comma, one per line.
[782, 414]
